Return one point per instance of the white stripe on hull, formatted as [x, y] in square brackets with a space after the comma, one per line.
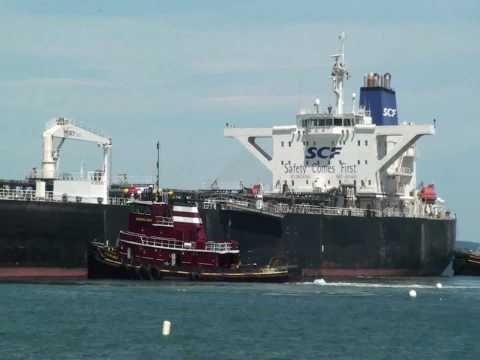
[187, 220]
[187, 209]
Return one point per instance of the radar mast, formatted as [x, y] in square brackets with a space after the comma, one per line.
[339, 73]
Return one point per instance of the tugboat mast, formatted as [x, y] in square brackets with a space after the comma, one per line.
[157, 190]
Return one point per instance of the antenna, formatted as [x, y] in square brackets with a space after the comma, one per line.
[342, 37]
[158, 169]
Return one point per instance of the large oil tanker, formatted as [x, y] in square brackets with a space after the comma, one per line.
[344, 198]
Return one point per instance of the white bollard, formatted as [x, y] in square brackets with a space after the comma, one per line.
[439, 285]
[412, 293]
[167, 325]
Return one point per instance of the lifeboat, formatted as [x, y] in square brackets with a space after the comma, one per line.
[428, 194]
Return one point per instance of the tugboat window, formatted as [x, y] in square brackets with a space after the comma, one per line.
[322, 122]
[337, 122]
[329, 122]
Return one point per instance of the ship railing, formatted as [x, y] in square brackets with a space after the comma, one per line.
[169, 243]
[174, 244]
[218, 246]
[49, 196]
[93, 177]
[117, 200]
[17, 194]
[280, 209]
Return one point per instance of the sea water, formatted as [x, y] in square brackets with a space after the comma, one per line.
[367, 319]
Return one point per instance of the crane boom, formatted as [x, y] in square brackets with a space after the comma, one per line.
[63, 129]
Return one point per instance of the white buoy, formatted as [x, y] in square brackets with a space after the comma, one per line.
[439, 285]
[412, 293]
[167, 325]
[319, 282]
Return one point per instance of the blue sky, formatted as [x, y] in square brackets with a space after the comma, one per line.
[177, 71]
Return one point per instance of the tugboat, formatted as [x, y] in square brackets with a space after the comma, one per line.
[164, 241]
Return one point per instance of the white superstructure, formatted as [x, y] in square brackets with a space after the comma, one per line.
[325, 150]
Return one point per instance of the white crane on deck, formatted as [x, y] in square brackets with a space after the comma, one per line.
[63, 129]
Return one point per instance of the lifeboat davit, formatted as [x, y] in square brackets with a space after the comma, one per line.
[428, 194]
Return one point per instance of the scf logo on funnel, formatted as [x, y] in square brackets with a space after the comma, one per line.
[325, 152]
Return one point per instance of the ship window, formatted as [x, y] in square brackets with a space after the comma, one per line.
[358, 162]
[289, 143]
[339, 182]
[369, 182]
[347, 122]
[322, 122]
[282, 143]
[281, 162]
[366, 142]
[358, 142]
[140, 209]
[306, 182]
[328, 182]
[293, 183]
[337, 122]
[328, 122]
[366, 162]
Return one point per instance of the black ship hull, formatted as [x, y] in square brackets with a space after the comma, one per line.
[39, 236]
[50, 239]
[339, 246]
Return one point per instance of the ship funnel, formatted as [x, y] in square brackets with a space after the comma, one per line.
[379, 98]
